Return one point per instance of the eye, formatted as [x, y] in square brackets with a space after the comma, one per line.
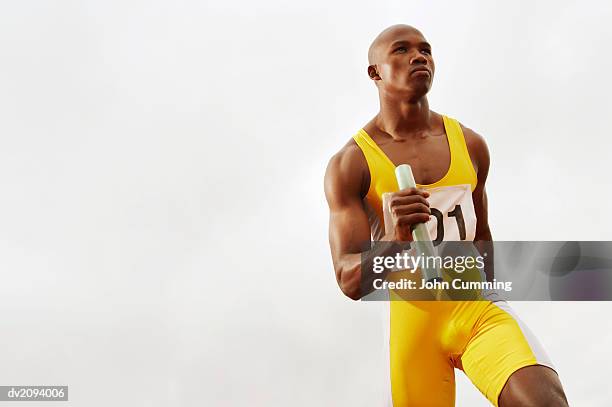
[426, 51]
[400, 49]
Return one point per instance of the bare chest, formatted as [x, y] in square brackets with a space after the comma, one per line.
[429, 157]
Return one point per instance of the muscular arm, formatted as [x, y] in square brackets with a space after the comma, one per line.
[346, 183]
[349, 229]
[479, 154]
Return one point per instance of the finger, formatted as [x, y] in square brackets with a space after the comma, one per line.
[411, 191]
[418, 207]
[408, 200]
[412, 219]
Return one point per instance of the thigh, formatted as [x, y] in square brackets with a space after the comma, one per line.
[421, 373]
[501, 344]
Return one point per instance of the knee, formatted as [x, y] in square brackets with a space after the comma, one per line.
[554, 400]
[557, 398]
[553, 397]
[533, 387]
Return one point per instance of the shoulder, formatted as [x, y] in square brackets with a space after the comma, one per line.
[478, 149]
[346, 171]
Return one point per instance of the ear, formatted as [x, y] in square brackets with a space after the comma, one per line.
[373, 73]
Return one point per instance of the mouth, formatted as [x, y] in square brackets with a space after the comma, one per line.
[421, 71]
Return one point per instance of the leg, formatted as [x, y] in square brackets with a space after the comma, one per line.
[533, 386]
[502, 355]
[421, 373]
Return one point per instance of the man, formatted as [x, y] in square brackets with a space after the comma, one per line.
[428, 340]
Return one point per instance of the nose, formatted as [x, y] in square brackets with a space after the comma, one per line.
[418, 59]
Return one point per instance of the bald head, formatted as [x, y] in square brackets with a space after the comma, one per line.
[387, 35]
[400, 62]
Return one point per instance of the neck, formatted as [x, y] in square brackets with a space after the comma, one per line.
[404, 118]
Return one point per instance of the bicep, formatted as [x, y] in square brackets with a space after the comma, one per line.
[479, 195]
[349, 228]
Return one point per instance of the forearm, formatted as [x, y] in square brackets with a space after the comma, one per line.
[484, 244]
[355, 273]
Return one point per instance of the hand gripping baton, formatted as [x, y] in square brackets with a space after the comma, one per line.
[420, 234]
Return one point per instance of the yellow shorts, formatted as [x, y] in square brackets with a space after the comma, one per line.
[427, 340]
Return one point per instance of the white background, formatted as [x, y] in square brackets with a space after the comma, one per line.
[163, 228]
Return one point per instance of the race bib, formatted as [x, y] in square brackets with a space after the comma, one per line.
[452, 214]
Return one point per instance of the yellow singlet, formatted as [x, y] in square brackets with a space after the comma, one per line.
[426, 340]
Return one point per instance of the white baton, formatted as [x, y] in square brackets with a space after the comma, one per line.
[420, 234]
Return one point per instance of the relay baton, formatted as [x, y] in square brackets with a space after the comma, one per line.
[423, 244]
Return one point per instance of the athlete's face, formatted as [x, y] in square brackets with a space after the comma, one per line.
[402, 63]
